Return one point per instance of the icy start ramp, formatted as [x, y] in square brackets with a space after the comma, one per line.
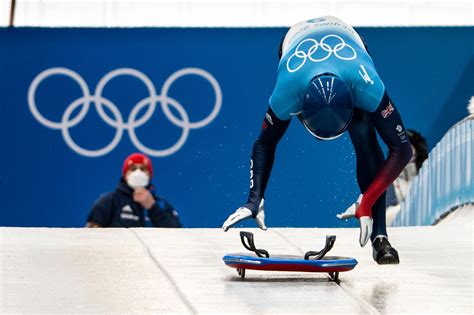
[181, 271]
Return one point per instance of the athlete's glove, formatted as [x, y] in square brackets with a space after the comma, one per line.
[366, 222]
[244, 213]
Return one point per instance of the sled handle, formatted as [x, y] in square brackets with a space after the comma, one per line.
[251, 245]
[330, 240]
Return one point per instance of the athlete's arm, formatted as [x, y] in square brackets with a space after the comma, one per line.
[263, 156]
[389, 125]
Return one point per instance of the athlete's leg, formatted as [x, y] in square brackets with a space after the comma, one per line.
[370, 159]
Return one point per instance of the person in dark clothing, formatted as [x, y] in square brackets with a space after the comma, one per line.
[134, 195]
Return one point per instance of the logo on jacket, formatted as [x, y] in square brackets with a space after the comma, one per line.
[319, 51]
[269, 118]
[127, 214]
[365, 75]
[321, 19]
[116, 120]
[387, 111]
[401, 133]
[127, 208]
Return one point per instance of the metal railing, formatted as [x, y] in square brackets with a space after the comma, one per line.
[445, 181]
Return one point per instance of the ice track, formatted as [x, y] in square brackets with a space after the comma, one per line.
[181, 271]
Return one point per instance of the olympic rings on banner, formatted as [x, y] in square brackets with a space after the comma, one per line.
[117, 120]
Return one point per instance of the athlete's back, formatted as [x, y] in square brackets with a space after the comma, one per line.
[324, 45]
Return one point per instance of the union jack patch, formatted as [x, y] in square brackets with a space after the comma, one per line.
[387, 111]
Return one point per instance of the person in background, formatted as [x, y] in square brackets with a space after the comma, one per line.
[396, 193]
[134, 195]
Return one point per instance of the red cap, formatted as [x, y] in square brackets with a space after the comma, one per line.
[137, 158]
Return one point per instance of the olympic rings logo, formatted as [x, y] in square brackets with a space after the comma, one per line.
[304, 55]
[117, 121]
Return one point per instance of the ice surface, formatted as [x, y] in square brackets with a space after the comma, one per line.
[181, 271]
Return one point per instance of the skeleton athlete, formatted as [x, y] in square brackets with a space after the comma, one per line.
[327, 79]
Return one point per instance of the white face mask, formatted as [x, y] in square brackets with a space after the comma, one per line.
[138, 178]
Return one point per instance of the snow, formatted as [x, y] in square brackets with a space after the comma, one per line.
[46, 270]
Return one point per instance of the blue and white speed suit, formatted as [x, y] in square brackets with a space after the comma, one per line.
[328, 45]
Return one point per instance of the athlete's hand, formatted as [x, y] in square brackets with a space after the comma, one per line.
[243, 213]
[365, 222]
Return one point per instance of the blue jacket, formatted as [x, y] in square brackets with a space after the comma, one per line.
[118, 209]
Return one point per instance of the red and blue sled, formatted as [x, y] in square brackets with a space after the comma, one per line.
[313, 261]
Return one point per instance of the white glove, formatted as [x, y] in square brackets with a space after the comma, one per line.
[365, 222]
[244, 213]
